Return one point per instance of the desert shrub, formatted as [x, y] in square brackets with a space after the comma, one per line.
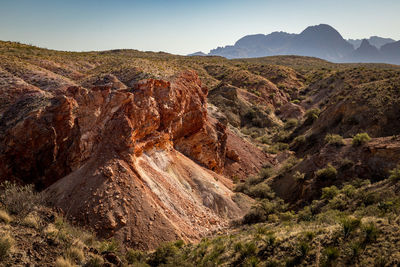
[386, 206]
[329, 192]
[303, 248]
[252, 261]
[309, 235]
[305, 214]
[348, 190]
[6, 243]
[334, 139]
[299, 176]
[331, 254]
[5, 217]
[395, 174]
[286, 216]
[261, 190]
[327, 173]
[19, 200]
[238, 246]
[312, 115]
[355, 249]
[95, 261]
[346, 164]
[299, 140]
[291, 123]
[261, 211]
[75, 254]
[349, 225]
[249, 249]
[288, 165]
[163, 254]
[361, 139]
[368, 198]
[109, 246]
[275, 148]
[265, 173]
[62, 262]
[371, 233]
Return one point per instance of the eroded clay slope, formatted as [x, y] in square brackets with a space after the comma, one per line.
[109, 158]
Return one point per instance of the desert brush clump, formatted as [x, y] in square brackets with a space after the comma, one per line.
[334, 139]
[312, 115]
[395, 174]
[360, 139]
[327, 173]
[19, 200]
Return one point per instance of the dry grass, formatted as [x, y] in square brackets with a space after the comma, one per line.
[63, 262]
[75, 254]
[5, 217]
[32, 220]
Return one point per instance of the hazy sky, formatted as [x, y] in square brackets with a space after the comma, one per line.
[183, 26]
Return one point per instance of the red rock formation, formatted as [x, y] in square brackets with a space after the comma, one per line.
[107, 158]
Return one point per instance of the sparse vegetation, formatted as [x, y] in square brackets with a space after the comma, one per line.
[361, 139]
[334, 139]
[6, 244]
[395, 174]
[5, 217]
[345, 226]
[63, 262]
[19, 200]
[328, 173]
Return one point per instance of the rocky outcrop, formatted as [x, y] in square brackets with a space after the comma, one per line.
[110, 158]
[291, 110]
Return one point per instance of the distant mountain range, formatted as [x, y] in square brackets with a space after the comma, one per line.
[321, 41]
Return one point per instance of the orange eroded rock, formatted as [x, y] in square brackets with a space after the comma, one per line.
[109, 158]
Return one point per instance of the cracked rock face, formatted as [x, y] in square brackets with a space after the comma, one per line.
[134, 163]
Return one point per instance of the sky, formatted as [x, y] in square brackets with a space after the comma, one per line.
[184, 26]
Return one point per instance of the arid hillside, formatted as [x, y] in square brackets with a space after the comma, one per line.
[232, 157]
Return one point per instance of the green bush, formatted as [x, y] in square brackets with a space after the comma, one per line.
[349, 225]
[312, 115]
[110, 246]
[395, 174]
[334, 139]
[327, 173]
[371, 233]
[163, 255]
[262, 210]
[275, 148]
[329, 192]
[299, 176]
[265, 173]
[361, 139]
[261, 191]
